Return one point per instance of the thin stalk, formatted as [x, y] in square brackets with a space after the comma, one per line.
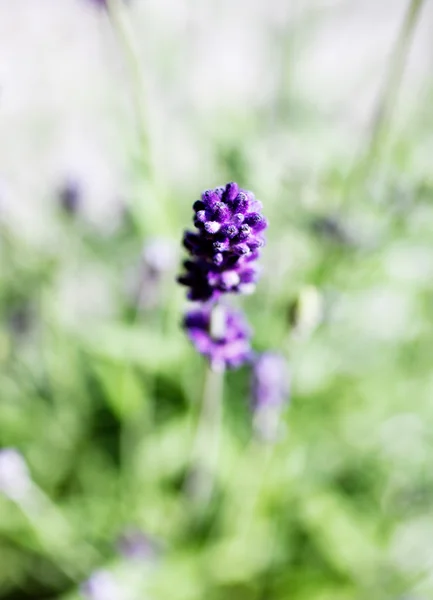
[71, 555]
[129, 47]
[150, 215]
[205, 452]
[387, 101]
[260, 455]
[155, 217]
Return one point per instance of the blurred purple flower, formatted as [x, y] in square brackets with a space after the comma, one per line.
[102, 585]
[102, 3]
[21, 318]
[135, 545]
[159, 256]
[144, 282]
[225, 249]
[220, 334]
[70, 196]
[15, 481]
[270, 392]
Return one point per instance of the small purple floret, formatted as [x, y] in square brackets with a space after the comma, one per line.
[135, 545]
[270, 392]
[70, 196]
[230, 347]
[230, 227]
[270, 380]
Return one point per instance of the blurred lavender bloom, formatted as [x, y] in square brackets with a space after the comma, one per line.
[70, 195]
[102, 585]
[135, 545]
[225, 249]
[102, 3]
[331, 228]
[21, 318]
[270, 392]
[158, 258]
[15, 480]
[99, 3]
[220, 334]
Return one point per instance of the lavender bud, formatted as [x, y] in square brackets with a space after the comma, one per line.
[210, 198]
[241, 249]
[201, 216]
[230, 348]
[218, 259]
[231, 191]
[244, 232]
[230, 279]
[229, 230]
[221, 212]
[212, 227]
[198, 205]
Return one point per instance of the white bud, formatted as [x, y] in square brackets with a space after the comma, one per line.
[15, 481]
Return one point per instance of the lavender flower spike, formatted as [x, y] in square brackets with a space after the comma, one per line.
[270, 392]
[220, 334]
[225, 249]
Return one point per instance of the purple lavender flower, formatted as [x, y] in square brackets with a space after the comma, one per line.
[270, 392]
[220, 334]
[70, 196]
[226, 247]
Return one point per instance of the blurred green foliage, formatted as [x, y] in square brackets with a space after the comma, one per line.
[104, 407]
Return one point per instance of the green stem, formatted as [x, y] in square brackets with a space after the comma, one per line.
[72, 555]
[386, 104]
[155, 218]
[388, 99]
[126, 38]
[204, 462]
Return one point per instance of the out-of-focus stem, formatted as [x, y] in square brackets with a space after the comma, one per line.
[129, 47]
[387, 100]
[201, 479]
[73, 556]
[155, 218]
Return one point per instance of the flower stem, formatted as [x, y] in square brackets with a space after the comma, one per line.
[388, 99]
[126, 38]
[154, 216]
[72, 555]
[205, 453]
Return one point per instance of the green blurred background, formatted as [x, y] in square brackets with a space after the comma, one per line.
[112, 123]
